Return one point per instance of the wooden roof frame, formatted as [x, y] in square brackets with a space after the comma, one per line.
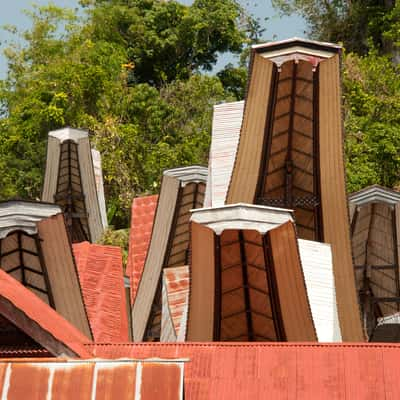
[169, 244]
[267, 274]
[290, 152]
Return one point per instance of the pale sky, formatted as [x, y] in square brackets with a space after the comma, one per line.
[277, 28]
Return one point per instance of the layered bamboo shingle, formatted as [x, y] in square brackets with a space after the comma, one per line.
[73, 182]
[247, 282]
[290, 152]
[375, 229]
[36, 251]
[182, 189]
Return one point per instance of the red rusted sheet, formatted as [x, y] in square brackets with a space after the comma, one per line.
[176, 283]
[142, 217]
[277, 370]
[102, 283]
[91, 379]
[38, 320]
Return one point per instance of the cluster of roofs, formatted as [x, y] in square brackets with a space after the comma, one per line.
[244, 278]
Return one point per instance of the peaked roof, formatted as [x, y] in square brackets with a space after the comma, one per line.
[282, 370]
[92, 379]
[375, 193]
[142, 218]
[101, 278]
[39, 321]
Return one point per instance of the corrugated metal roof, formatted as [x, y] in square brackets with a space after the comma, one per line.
[142, 218]
[101, 278]
[316, 260]
[278, 370]
[227, 121]
[39, 321]
[175, 301]
[91, 379]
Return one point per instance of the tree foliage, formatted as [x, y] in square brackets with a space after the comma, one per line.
[131, 73]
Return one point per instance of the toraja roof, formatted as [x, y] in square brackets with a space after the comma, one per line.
[182, 189]
[91, 379]
[101, 278]
[39, 321]
[70, 181]
[142, 217]
[280, 370]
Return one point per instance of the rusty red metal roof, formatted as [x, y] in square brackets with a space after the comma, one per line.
[142, 217]
[277, 370]
[91, 379]
[38, 320]
[101, 277]
[176, 286]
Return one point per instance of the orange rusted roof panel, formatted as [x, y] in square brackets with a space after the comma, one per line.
[30, 314]
[59, 379]
[101, 278]
[177, 287]
[142, 217]
[237, 371]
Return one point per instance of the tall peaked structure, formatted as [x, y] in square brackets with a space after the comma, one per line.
[375, 235]
[73, 182]
[247, 282]
[182, 189]
[35, 250]
[290, 152]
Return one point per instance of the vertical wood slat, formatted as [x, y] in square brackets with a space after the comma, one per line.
[62, 273]
[155, 256]
[202, 291]
[333, 198]
[244, 178]
[293, 301]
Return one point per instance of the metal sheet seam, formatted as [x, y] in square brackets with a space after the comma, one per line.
[6, 384]
[94, 381]
[50, 384]
[138, 383]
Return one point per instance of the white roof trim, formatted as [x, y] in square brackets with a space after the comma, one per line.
[191, 174]
[375, 194]
[69, 134]
[23, 215]
[241, 216]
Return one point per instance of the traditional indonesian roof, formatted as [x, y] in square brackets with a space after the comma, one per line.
[24, 215]
[375, 233]
[182, 189]
[226, 124]
[237, 371]
[101, 278]
[246, 281]
[175, 300]
[37, 252]
[91, 379]
[39, 321]
[290, 153]
[70, 180]
[142, 218]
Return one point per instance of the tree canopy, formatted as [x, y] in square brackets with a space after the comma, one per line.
[132, 73]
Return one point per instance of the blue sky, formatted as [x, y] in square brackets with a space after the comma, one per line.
[276, 27]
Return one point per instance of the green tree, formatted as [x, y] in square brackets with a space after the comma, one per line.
[131, 73]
